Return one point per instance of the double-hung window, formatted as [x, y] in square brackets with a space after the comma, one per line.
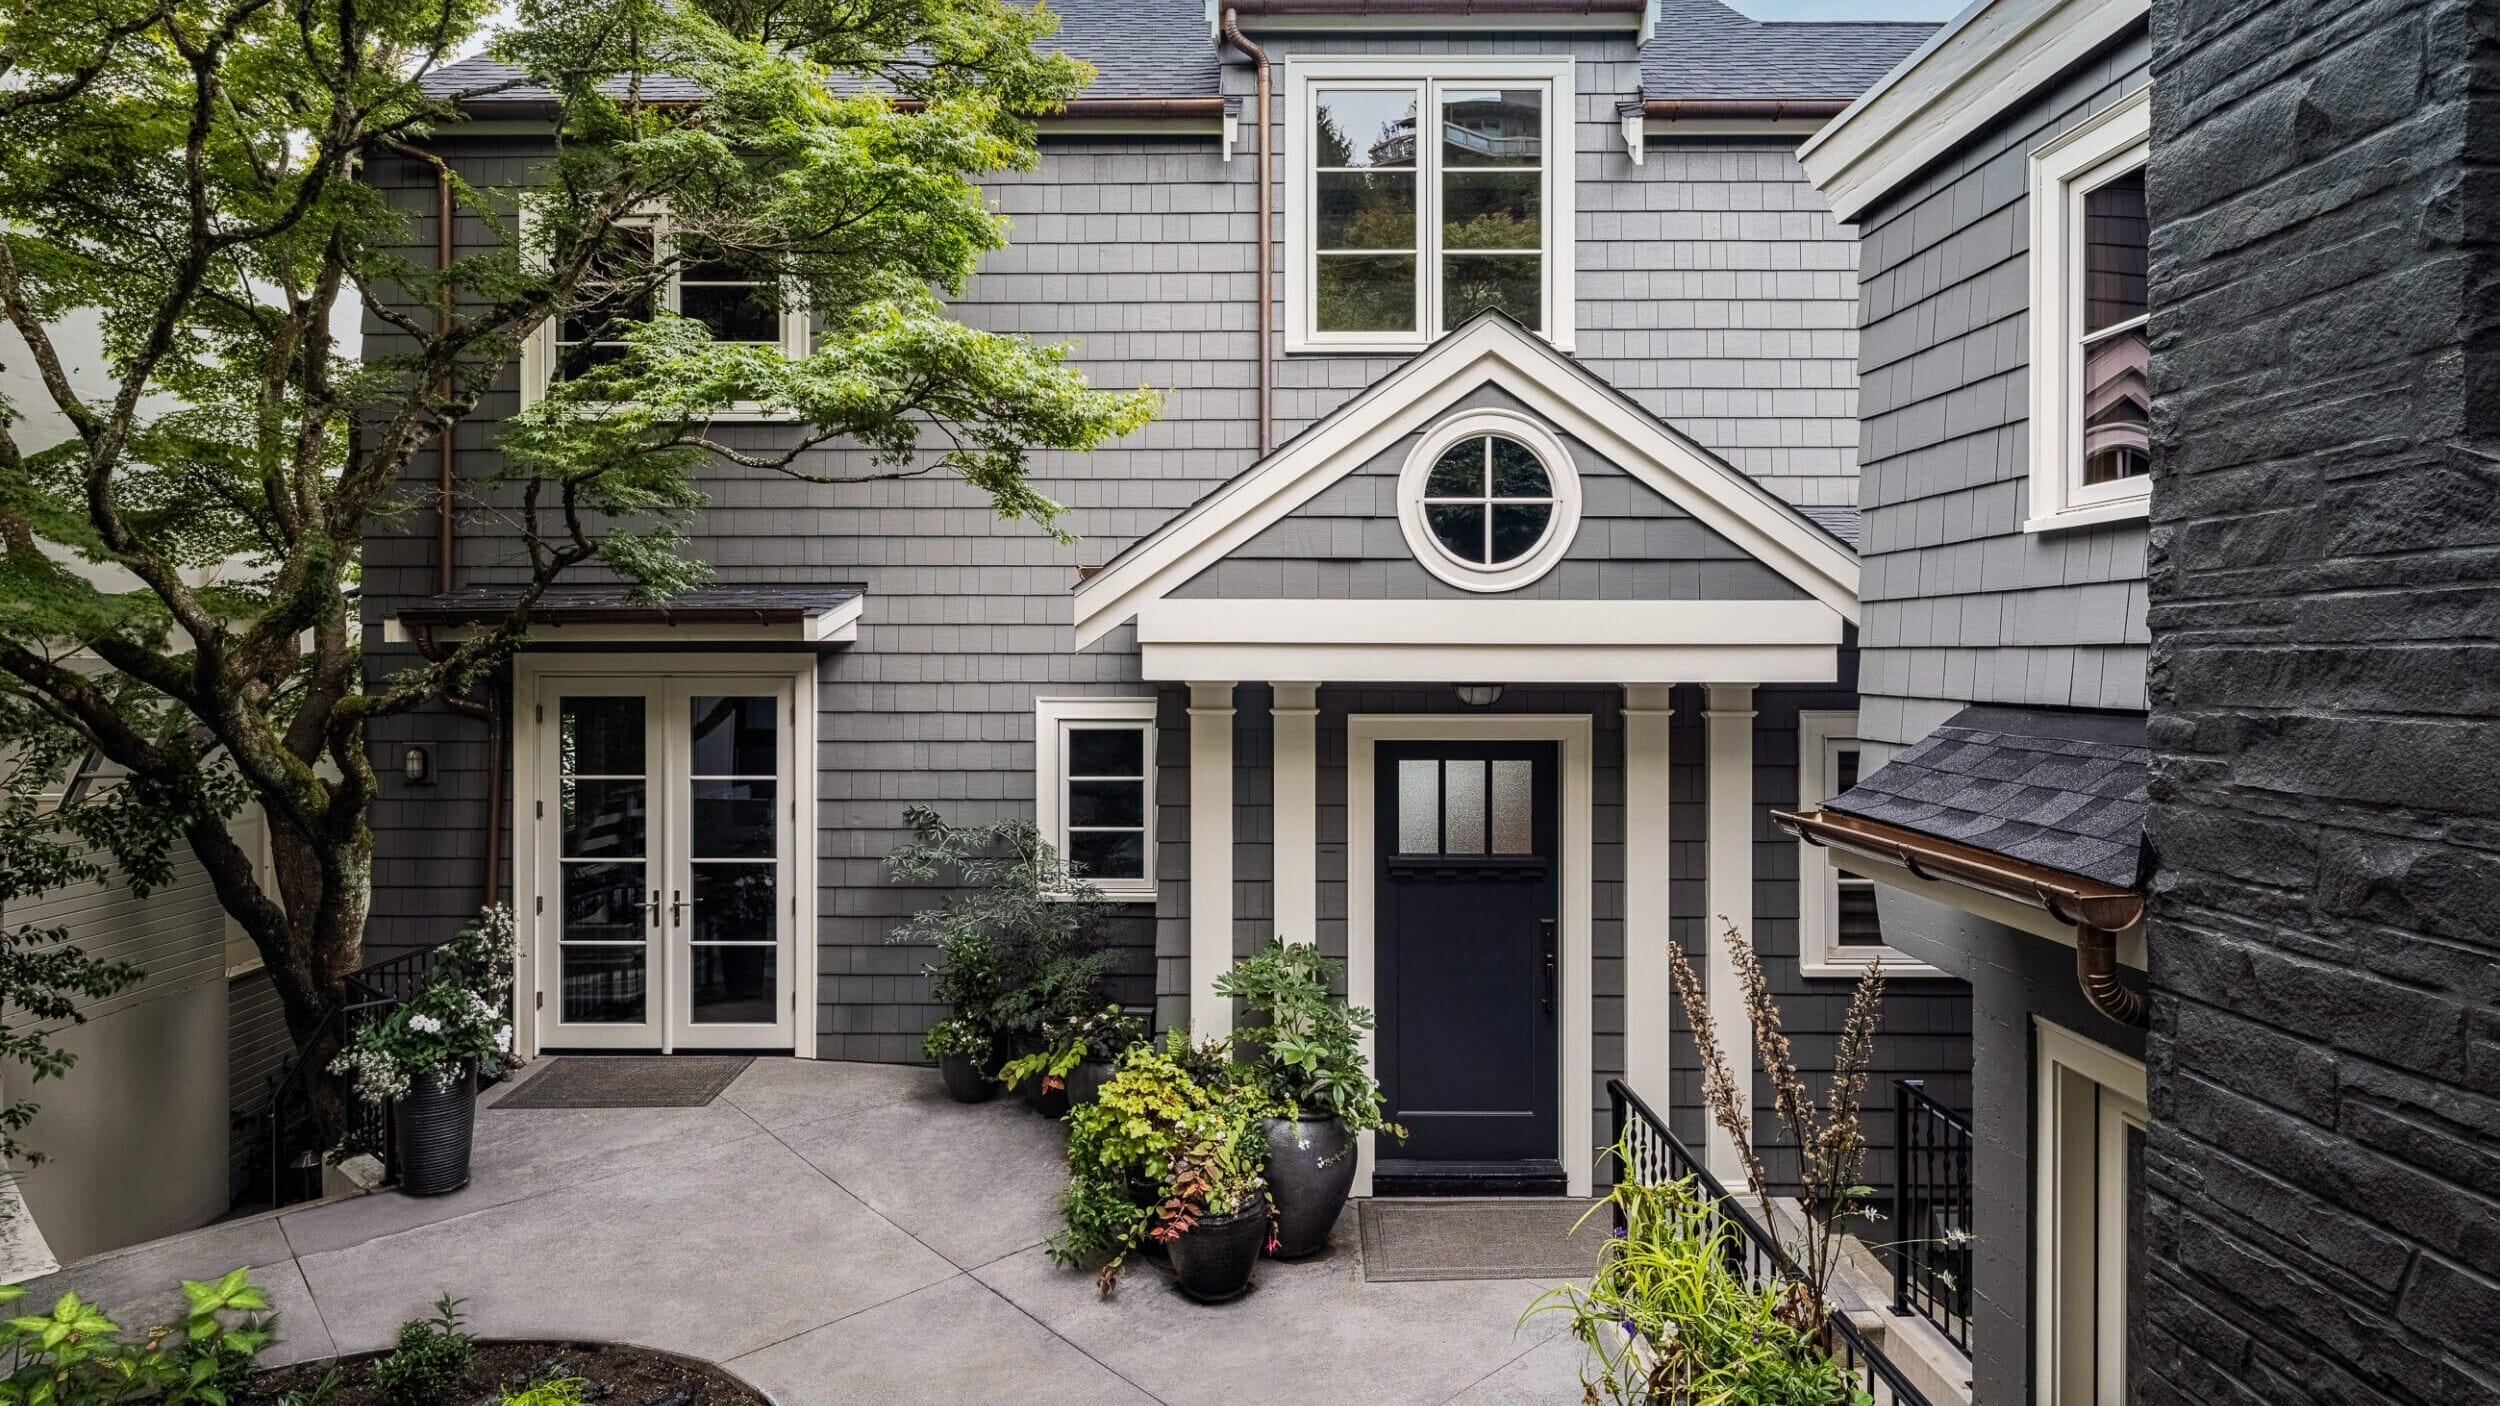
[647, 266]
[1094, 790]
[1422, 192]
[1840, 929]
[2091, 401]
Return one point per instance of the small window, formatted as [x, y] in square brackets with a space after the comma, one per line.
[2091, 398]
[1466, 806]
[735, 300]
[1423, 193]
[1094, 790]
[1841, 928]
[1488, 501]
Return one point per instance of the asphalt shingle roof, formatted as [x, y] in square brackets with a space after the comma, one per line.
[2060, 789]
[1703, 49]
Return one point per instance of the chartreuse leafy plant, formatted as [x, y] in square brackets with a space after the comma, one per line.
[183, 507]
[1126, 1147]
[76, 1356]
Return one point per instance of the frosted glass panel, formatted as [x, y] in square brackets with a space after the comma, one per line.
[1513, 831]
[1419, 806]
[1464, 819]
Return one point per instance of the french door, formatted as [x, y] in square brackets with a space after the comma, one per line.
[667, 907]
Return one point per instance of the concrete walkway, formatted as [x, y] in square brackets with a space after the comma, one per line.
[838, 1233]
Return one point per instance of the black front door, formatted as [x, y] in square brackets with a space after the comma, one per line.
[1468, 894]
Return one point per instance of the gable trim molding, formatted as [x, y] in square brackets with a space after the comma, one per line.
[1995, 55]
[1488, 350]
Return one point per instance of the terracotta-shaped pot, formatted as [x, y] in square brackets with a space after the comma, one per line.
[1086, 1080]
[1310, 1170]
[966, 1080]
[437, 1122]
[1213, 1259]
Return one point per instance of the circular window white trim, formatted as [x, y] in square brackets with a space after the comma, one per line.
[1559, 529]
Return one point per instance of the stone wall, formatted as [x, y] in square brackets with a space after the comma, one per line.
[2324, 1162]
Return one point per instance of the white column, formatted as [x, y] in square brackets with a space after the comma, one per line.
[1730, 729]
[1296, 714]
[1648, 983]
[1210, 855]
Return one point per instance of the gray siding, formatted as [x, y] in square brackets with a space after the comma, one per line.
[1962, 605]
[258, 1048]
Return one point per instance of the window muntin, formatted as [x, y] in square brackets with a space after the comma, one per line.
[2117, 400]
[1489, 501]
[1094, 790]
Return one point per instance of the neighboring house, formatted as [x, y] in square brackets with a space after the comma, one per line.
[1486, 676]
[2112, 312]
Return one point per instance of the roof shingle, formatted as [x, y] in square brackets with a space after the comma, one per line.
[1703, 49]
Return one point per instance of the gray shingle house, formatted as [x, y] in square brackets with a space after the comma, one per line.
[1477, 598]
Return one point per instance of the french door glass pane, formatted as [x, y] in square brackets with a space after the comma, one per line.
[604, 818]
[734, 985]
[735, 902]
[734, 737]
[733, 859]
[603, 985]
[601, 737]
[602, 859]
[733, 819]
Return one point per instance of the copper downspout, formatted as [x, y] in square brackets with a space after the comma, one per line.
[2096, 971]
[1267, 277]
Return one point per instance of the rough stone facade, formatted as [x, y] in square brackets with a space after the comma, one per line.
[2324, 1161]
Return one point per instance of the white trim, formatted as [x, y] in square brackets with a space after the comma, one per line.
[1819, 732]
[1489, 351]
[2111, 144]
[1648, 840]
[1051, 719]
[1558, 164]
[1993, 56]
[1561, 526]
[2021, 917]
[1295, 824]
[1576, 1067]
[1728, 901]
[531, 672]
[840, 625]
[1210, 856]
[2118, 1088]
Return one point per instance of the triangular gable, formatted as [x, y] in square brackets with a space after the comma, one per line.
[1488, 350]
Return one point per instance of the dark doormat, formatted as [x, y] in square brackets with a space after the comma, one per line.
[1510, 1238]
[627, 1081]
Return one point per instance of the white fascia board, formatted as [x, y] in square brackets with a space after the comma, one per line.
[1547, 383]
[1993, 56]
[1489, 623]
[1602, 664]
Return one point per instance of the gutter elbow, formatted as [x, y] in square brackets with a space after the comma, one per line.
[2096, 971]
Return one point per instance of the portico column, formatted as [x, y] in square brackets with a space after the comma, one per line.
[1648, 984]
[1296, 715]
[1730, 728]
[1210, 855]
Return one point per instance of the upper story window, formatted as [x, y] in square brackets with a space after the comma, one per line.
[1421, 192]
[1094, 789]
[1840, 931]
[649, 267]
[2091, 400]
[1488, 500]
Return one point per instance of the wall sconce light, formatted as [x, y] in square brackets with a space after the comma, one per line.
[417, 764]
[1479, 695]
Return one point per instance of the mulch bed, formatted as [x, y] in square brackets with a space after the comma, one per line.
[614, 1373]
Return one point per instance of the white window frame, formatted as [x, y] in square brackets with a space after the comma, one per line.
[1820, 735]
[538, 351]
[1560, 528]
[2113, 143]
[1306, 77]
[1052, 719]
[2064, 1233]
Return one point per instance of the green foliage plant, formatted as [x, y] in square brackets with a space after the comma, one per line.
[432, 1357]
[956, 1036]
[459, 1020]
[554, 1391]
[1019, 940]
[76, 1356]
[1122, 1147]
[1219, 1169]
[1310, 1054]
[1070, 1041]
[1668, 1322]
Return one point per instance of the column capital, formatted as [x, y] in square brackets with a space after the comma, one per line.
[1292, 699]
[1729, 700]
[1210, 698]
[1648, 700]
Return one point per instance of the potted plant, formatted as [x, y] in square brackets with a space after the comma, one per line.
[426, 1054]
[1215, 1218]
[1075, 1059]
[1310, 1064]
[962, 1052]
[1121, 1148]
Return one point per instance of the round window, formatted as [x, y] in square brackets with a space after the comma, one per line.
[1489, 501]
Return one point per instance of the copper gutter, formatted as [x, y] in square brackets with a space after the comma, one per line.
[2097, 911]
[1111, 107]
[1742, 109]
[1441, 7]
[1266, 235]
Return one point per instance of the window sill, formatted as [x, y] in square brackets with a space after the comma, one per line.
[1895, 964]
[1404, 346]
[2123, 510]
[1109, 896]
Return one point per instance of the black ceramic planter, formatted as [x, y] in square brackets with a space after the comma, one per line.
[1310, 1169]
[1212, 1260]
[1049, 1102]
[966, 1080]
[1087, 1079]
[437, 1116]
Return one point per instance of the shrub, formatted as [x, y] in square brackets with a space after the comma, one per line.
[955, 1036]
[1020, 945]
[432, 1358]
[1311, 1055]
[75, 1356]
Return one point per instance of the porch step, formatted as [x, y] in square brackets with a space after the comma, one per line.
[1396, 1176]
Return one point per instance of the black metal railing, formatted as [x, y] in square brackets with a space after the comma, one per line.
[291, 1127]
[1656, 1154]
[1931, 1212]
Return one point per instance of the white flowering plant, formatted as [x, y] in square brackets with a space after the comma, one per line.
[459, 1020]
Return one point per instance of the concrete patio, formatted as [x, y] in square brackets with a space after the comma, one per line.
[838, 1233]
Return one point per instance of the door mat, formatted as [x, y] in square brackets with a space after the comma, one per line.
[1507, 1238]
[627, 1081]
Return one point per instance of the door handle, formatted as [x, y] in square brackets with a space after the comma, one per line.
[1545, 933]
[677, 908]
[654, 907]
